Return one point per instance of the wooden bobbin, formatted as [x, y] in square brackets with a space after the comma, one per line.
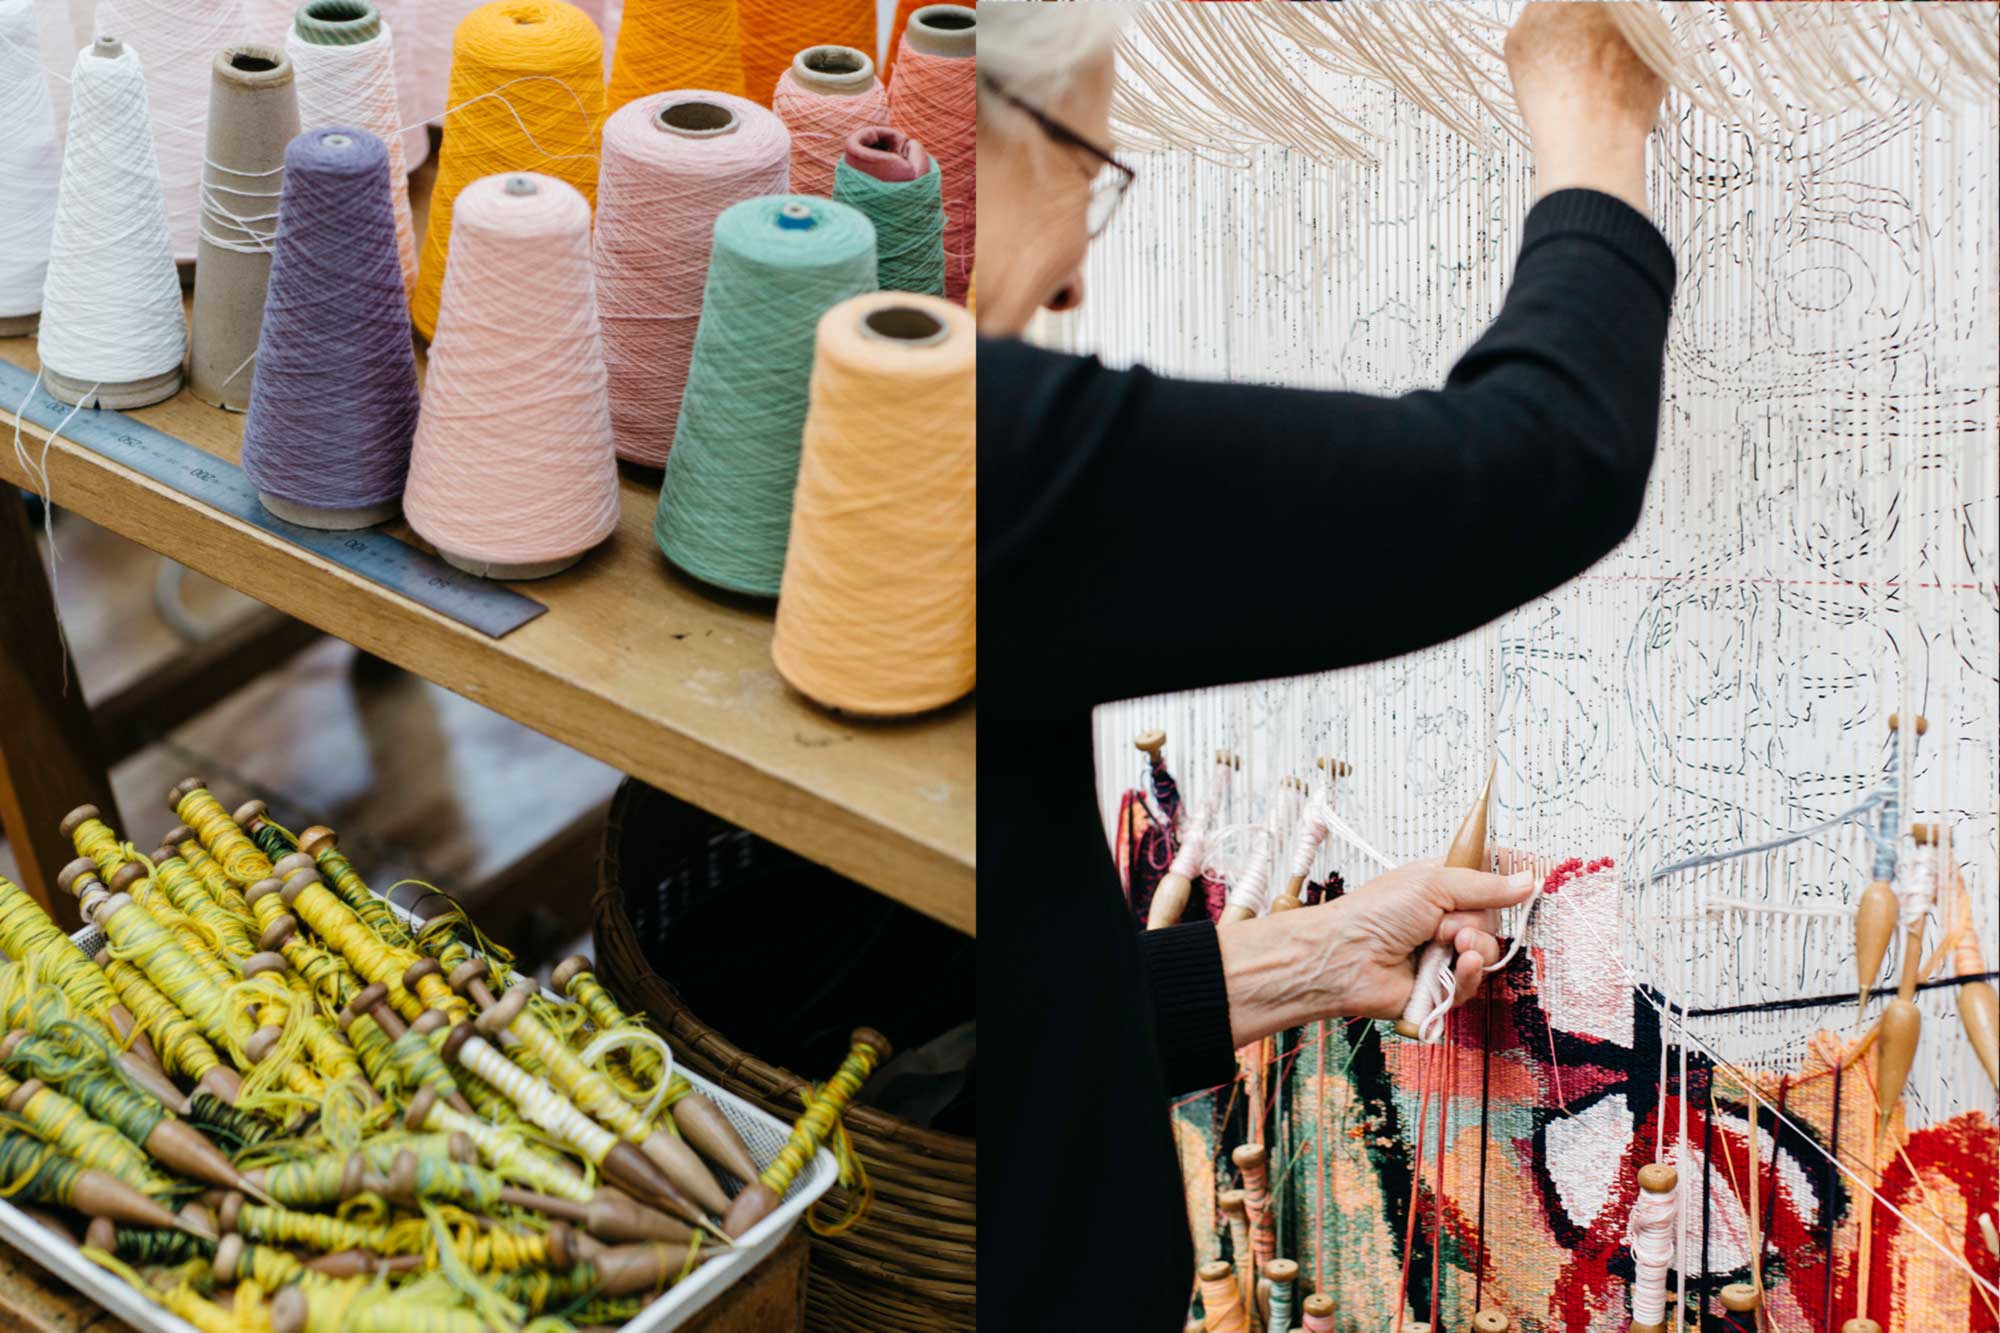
[1922, 726]
[1436, 961]
[1490, 1321]
[1860, 1326]
[1658, 1178]
[1896, 1036]
[1319, 1305]
[1333, 768]
[1874, 923]
[1740, 1298]
[1149, 743]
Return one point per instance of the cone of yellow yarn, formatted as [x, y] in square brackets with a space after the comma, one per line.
[877, 612]
[668, 45]
[527, 94]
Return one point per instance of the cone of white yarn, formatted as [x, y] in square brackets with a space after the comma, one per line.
[344, 64]
[57, 38]
[178, 40]
[269, 21]
[111, 308]
[404, 19]
[30, 161]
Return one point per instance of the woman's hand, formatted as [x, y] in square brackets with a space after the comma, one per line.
[1352, 957]
[1587, 99]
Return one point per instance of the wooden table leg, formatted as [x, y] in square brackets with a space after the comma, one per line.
[49, 758]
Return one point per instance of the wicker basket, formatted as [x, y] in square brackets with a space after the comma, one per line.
[912, 1264]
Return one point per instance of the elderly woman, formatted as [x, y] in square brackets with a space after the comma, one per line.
[1450, 507]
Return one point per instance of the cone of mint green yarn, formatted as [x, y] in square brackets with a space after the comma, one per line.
[909, 225]
[779, 263]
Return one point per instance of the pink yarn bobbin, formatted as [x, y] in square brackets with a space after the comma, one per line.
[827, 94]
[512, 474]
[672, 162]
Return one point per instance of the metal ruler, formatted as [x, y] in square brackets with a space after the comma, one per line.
[491, 608]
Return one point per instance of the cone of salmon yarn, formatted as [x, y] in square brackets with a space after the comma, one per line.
[334, 404]
[541, 61]
[178, 43]
[726, 502]
[344, 65]
[672, 163]
[667, 44]
[904, 8]
[877, 613]
[888, 176]
[933, 99]
[774, 31]
[828, 93]
[512, 474]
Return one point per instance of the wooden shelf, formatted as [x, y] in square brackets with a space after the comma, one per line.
[633, 664]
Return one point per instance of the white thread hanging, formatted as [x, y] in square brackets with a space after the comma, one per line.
[1916, 890]
[111, 308]
[178, 40]
[30, 162]
[356, 85]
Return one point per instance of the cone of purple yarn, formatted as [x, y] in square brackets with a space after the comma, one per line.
[333, 403]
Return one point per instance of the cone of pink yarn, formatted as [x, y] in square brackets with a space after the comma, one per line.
[827, 94]
[933, 99]
[512, 474]
[670, 164]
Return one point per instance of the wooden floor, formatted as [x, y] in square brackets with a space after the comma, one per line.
[418, 782]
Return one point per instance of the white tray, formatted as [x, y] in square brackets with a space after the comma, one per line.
[762, 1133]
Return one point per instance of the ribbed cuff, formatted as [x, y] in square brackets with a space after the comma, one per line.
[1610, 221]
[1190, 1006]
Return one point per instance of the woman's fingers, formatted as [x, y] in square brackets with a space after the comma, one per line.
[1472, 940]
[1457, 923]
[1478, 890]
[1467, 975]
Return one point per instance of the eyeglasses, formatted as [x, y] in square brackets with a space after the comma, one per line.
[1113, 178]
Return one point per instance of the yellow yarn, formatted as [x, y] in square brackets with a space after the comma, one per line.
[542, 62]
[27, 932]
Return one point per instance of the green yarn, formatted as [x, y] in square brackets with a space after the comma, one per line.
[909, 225]
[726, 502]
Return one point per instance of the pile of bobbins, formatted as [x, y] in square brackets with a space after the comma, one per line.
[269, 1083]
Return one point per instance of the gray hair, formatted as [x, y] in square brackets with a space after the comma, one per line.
[1036, 50]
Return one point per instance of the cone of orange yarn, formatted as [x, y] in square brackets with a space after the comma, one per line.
[828, 93]
[666, 45]
[877, 612]
[527, 92]
[933, 99]
[776, 30]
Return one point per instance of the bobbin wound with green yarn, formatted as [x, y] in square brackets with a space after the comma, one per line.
[909, 225]
[779, 263]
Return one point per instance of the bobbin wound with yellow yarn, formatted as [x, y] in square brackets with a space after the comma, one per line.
[527, 94]
[876, 614]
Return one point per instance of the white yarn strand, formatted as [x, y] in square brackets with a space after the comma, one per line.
[111, 308]
[540, 1105]
[30, 162]
[178, 39]
[357, 85]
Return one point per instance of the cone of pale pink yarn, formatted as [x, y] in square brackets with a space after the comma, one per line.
[512, 474]
[670, 164]
[827, 94]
